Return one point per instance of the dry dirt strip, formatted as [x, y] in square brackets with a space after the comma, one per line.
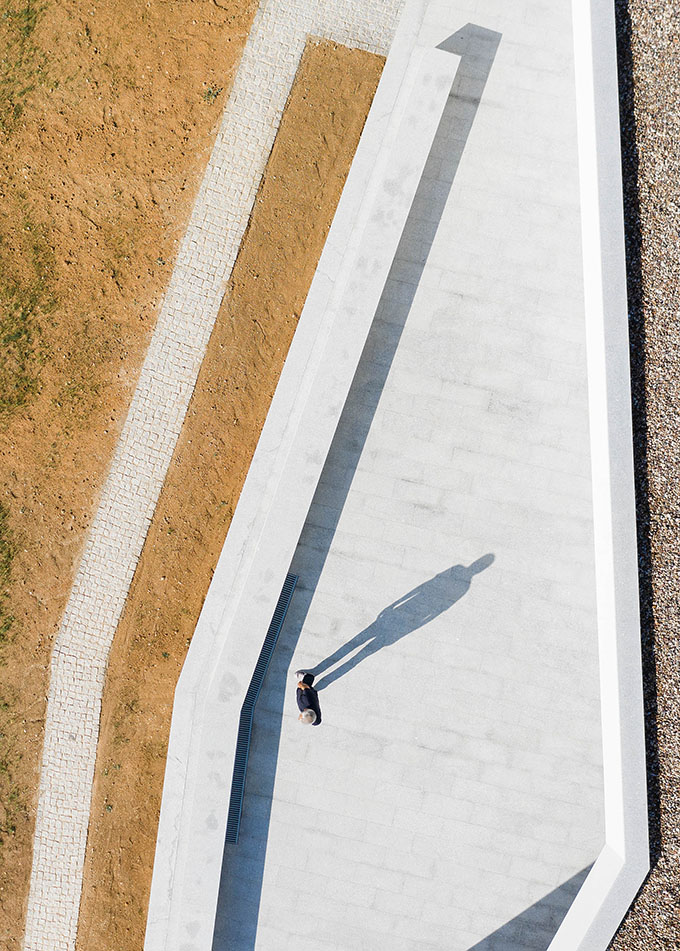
[151, 430]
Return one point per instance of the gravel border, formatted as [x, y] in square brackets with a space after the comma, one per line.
[648, 37]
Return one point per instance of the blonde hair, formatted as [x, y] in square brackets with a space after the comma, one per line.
[308, 715]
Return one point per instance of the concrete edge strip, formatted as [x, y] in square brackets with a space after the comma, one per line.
[326, 350]
[616, 876]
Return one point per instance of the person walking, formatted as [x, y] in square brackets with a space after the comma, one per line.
[307, 698]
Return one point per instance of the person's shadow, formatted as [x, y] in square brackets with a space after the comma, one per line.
[410, 612]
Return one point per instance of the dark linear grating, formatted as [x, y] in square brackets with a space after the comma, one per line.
[245, 724]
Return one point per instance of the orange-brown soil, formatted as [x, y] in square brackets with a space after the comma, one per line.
[108, 111]
[293, 211]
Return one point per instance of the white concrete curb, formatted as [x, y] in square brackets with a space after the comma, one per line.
[620, 869]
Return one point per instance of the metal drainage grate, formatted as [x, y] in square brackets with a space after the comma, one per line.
[245, 723]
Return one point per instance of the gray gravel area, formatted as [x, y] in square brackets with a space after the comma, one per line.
[649, 75]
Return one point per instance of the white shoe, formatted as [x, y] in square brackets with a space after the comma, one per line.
[299, 674]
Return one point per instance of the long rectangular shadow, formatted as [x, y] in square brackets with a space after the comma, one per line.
[637, 317]
[243, 863]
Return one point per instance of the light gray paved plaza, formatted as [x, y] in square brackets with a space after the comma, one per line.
[458, 503]
[452, 797]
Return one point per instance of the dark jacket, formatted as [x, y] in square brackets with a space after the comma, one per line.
[308, 699]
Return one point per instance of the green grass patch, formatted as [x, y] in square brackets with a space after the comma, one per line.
[26, 299]
[211, 93]
[7, 552]
[22, 64]
[13, 807]
[26, 262]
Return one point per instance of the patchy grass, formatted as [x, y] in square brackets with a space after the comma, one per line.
[211, 94]
[13, 806]
[22, 65]
[7, 552]
[26, 299]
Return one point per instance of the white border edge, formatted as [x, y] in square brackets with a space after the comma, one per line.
[616, 876]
